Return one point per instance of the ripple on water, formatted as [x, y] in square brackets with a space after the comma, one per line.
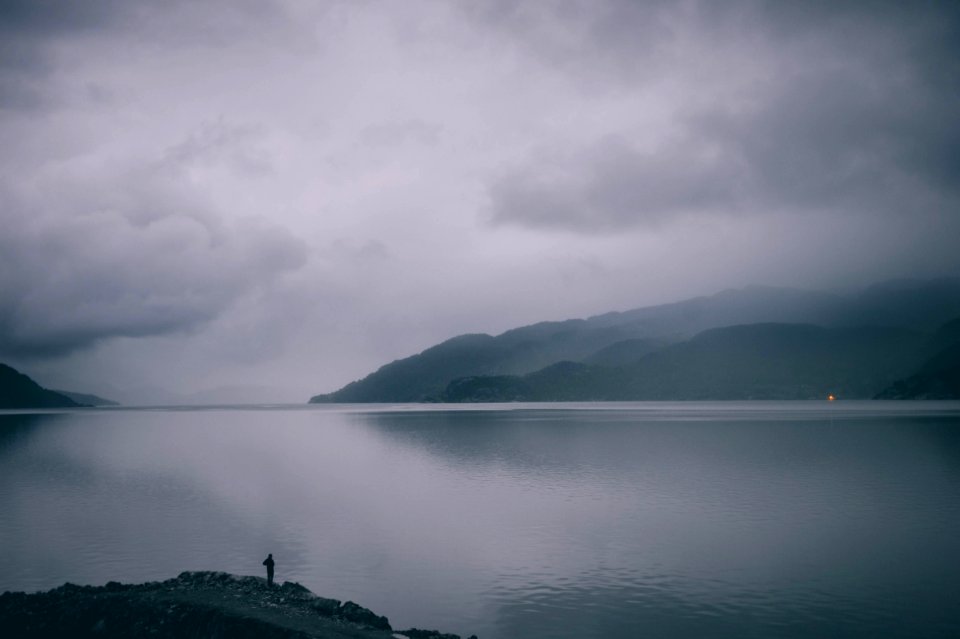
[664, 603]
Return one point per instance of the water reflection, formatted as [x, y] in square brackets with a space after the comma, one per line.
[794, 527]
[125, 496]
[736, 520]
[16, 428]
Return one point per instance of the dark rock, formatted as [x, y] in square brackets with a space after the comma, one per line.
[192, 605]
[358, 614]
[417, 633]
[293, 589]
[324, 606]
[207, 577]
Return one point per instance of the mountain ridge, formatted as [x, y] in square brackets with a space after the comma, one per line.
[754, 361]
[86, 399]
[939, 376]
[906, 304]
[19, 391]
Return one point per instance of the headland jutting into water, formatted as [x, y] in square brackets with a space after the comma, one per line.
[194, 605]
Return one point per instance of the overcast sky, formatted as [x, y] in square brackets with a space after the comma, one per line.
[290, 194]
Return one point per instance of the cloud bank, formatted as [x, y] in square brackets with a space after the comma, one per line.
[825, 107]
[123, 251]
[292, 193]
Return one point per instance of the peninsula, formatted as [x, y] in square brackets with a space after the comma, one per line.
[194, 605]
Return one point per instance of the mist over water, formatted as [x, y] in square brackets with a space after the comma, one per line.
[754, 519]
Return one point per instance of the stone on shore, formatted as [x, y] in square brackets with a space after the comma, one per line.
[194, 605]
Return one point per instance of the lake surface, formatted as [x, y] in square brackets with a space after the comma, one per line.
[754, 519]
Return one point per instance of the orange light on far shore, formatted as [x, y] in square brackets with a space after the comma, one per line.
[830, 398]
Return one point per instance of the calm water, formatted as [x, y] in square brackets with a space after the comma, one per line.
[655, 520]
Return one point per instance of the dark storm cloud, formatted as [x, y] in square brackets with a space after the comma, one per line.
[136, 253]
[92, 248]
[31, 29]
[28, 27]
[141, 139]
[586, 37]
[854, 111]
[41, 19]
[845, 140]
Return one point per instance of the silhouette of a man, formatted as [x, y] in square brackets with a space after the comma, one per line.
[268, 562]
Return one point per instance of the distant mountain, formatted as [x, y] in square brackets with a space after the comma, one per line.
[86, 399]
[947, 335]
[619, 339]
[423, 377]
[626, 352]
[757, 361]
[749, 305]
[922, 305]
[939, 376]
[19, 391]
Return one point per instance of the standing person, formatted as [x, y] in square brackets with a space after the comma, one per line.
[268, 562]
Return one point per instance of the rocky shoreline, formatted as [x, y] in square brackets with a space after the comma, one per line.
[194, 605]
